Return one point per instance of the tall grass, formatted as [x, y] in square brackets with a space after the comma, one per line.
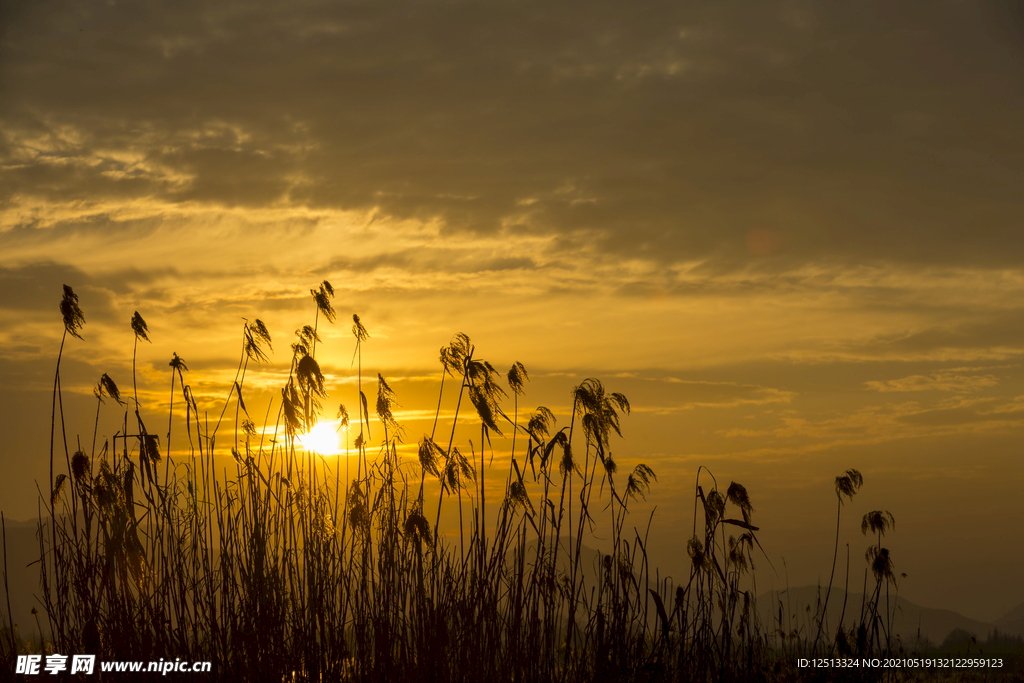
[287, 565]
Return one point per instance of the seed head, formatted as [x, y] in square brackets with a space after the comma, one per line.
[516, 376]
[358, 331]
[73, 316]
[139, 327]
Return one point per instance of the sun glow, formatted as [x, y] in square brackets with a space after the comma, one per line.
[324, 438]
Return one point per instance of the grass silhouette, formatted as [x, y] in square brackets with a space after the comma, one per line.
[283, 566]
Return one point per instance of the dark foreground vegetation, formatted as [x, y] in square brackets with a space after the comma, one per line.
[288, 565]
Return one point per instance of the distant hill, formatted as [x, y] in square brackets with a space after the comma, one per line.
[1012, 623]
[23, 580]
[910, 620]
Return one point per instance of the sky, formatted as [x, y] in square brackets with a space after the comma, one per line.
[790, 232]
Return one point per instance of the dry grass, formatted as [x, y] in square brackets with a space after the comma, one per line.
[284, 567]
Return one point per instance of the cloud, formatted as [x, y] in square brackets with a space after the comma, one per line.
[797, 433]
[939, 381]
[704, 394]
[31, 288]
[669, 134]
[963, 335]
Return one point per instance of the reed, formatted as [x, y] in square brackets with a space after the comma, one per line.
[275, 564]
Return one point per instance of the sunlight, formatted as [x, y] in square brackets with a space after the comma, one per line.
[324, 438]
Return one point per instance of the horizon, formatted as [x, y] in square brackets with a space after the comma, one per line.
[789, 235]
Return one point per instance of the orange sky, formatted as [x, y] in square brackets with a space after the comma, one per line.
[791, 235]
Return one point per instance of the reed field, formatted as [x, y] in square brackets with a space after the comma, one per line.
[232, 543]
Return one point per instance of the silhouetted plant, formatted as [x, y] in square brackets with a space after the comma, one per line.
[878, 522]
[847, 485]
[286, 568]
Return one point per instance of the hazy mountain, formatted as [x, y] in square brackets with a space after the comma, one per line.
[1012, 623]
[22, 579]
[910, 621]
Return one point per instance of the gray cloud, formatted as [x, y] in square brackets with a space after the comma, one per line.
[957, 416]
[1001, 334]
[959, 382]
[31, 288]
[449, 260]
[35, 288]
[785, 132]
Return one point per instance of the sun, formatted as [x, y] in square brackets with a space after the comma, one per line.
[322, 438]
